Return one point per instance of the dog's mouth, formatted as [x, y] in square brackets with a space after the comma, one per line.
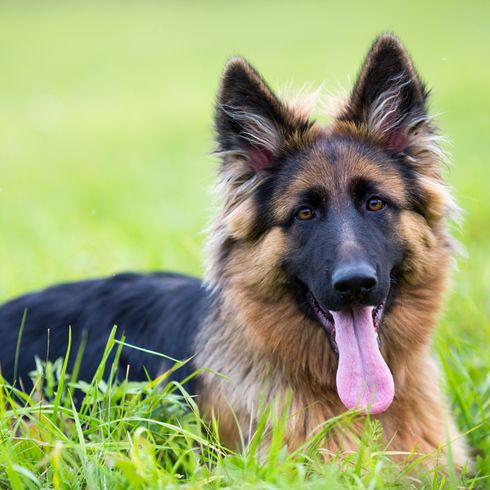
[364, 380]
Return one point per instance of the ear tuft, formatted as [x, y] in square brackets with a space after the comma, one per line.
[388, 96]
[251, 122]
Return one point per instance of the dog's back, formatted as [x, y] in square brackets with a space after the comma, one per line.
[158, 312]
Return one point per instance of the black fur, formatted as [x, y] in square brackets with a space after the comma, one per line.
[387, 65]
[159, 311]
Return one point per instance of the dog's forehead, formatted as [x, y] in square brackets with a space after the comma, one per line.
[334, 162]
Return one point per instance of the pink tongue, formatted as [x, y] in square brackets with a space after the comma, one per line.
[363, 379]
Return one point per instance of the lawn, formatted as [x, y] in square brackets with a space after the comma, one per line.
[105, 136]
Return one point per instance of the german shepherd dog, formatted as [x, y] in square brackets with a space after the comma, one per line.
[327, 266]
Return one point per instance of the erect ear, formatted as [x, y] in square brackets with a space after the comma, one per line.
[388, 96]
[251, 122]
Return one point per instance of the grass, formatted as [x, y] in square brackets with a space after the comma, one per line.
[150, 435]
[105, 128]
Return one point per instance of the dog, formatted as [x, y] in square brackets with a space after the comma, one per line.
[327, 265]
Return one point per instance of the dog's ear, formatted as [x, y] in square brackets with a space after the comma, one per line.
[388, 96]
[251, 122]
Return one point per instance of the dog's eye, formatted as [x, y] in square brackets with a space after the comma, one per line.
[375, 204]
[305, 213]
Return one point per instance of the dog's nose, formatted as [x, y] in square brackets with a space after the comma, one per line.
[354, 281]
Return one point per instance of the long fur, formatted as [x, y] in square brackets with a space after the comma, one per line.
[248, 320]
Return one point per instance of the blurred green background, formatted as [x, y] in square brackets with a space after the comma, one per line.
[106, 123]
[106, 117]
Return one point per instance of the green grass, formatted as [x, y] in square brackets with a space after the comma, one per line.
[150, 435]
[105, 130]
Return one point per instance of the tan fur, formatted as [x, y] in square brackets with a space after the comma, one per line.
[261, 334]
[270, 339]
[269, 352]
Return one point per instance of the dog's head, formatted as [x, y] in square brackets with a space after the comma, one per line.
[348, 220]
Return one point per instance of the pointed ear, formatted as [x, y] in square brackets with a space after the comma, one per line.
[251, 122]
[388, 96]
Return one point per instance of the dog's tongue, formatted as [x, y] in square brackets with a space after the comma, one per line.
[363, 378]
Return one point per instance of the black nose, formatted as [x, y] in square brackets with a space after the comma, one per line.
[354, 281]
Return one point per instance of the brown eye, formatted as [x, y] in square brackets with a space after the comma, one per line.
[305, 213]
[375, 204]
